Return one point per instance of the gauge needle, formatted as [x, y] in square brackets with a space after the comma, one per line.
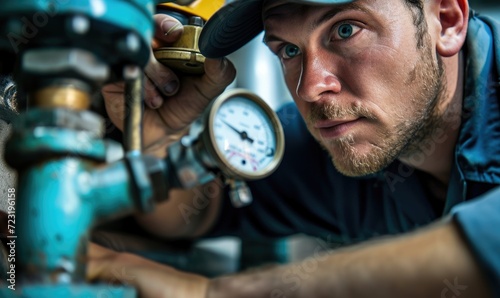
[243, 134]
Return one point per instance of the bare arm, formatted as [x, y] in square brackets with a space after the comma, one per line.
[186, 214]
[434, 262]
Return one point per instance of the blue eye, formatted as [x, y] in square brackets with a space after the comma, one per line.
[290, 51]
[345, 31]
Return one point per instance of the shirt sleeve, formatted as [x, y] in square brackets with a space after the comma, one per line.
[479, 221]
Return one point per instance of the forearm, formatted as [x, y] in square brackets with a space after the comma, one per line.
[186, 213]
[431, 263]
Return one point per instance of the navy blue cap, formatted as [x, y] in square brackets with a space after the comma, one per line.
[236, 23]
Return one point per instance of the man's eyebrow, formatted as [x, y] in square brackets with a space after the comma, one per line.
[270, 38]
[334, 11]
[322, 19]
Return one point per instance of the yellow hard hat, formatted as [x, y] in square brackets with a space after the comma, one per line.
[201, 8]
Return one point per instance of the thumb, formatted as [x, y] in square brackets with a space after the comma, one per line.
[219, 73]
[167, 30]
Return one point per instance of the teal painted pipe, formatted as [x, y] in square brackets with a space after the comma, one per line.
[58, 203]
[108, 191]
[64, 190]
[133, 15]
[53, 222]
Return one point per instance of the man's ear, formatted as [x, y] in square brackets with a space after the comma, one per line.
[454, 20]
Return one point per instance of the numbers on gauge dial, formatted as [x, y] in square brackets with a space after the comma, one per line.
[244, 135]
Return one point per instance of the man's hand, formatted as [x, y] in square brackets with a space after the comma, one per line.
[152, 280]
[172, 102]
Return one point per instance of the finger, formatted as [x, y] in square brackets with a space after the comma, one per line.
[149, 278]
[162, 77]
[123, 268]
[104, 263]
[98, 251]
[116, 109]
[167, 30]
[152, 96]
[195, 94]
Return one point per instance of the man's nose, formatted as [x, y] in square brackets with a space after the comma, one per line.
[317, 77]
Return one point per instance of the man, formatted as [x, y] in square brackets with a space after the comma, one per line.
[403, 96]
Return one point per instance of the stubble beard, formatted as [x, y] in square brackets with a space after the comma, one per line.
[427, 79]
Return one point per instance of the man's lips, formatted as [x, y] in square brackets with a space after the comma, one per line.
[333, 129]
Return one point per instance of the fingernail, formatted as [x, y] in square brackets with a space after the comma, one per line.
[170, 26]
[170, 87]
[156, 102]
[151, 104]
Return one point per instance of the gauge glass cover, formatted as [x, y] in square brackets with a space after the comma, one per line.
[245, 137]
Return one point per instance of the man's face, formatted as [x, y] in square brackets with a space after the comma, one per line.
[367, 92]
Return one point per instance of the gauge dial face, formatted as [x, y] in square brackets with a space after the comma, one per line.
[246, 137]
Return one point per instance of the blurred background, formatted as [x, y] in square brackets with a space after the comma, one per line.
[488, 7]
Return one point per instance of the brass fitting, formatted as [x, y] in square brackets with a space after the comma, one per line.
[184, 55]
[60, 97]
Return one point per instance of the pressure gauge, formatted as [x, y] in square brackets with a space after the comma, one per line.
[243, 135]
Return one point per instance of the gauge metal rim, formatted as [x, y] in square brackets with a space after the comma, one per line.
[228, 169]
